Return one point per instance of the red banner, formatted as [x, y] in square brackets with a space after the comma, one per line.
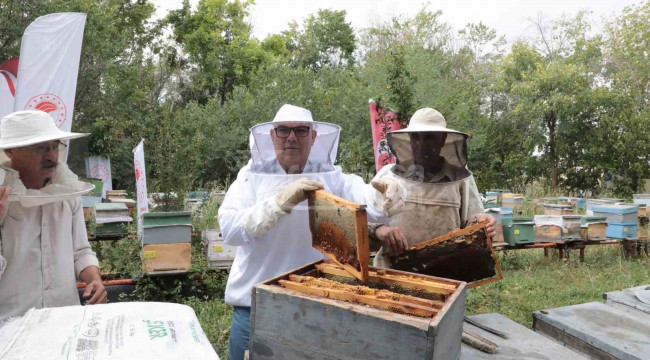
[382, 121]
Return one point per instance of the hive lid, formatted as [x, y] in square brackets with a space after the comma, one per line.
[123, 201]
[616, 209]
[593, 219]
[89, 201]
[167, 218]
[463, 255]
[501, 210]
[558, 206]
[339, 230]
[110, 207]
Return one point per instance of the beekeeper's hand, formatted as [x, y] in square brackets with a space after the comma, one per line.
[296, 193]
[389, 197]
[5, 191]
[491, 227]
[392, 239]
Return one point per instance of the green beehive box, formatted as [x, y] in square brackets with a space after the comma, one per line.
[593, 219]
[167, 218]
[113, 229]
[518, 230]
[99, 187]
[111, 219]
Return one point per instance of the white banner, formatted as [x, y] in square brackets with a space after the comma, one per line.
[140, 182]
[98, 167]
[49, 65]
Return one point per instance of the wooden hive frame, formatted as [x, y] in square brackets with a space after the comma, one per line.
[459, 233]
[351, 240]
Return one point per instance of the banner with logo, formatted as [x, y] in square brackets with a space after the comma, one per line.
[381, 122]
[98, 167]
[8, 71]
[49, 65]
[140, 182]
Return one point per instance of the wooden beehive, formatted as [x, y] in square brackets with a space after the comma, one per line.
[557, 209]
[548, 233]
[320, 311]
[166, 258]
[465, 255]
[339, 230]
[595, 231]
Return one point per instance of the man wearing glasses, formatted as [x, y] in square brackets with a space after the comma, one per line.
[265, 212]
[44, 248]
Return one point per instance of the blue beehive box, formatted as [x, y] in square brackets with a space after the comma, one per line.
[581, 203]
[617, 213]
[625, 230]
[500, 213]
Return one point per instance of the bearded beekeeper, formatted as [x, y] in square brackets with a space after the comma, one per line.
[442, 195]
[265, 211]
[44, 248]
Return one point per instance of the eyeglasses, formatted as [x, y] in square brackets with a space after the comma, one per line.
[44, 148]
[284, 132]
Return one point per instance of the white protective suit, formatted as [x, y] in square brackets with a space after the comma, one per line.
[284, 242]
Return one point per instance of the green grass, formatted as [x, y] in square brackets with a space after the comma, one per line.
[532, 282]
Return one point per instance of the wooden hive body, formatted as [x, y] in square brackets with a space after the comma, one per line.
[291, 318]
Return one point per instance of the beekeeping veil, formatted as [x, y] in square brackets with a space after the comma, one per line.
[323, 151]
[25, 128]
[454, 150]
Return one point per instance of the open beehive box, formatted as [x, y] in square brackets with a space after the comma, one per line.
[464, 254]
[343, 309]
[321, 311]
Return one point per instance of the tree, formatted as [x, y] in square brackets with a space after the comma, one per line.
[324, 40]
[218, 40]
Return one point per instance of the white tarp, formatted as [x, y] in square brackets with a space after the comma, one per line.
[120, 331]
[49, 65]
[98, 167]
[140, 182]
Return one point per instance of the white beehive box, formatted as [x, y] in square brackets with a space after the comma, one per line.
[219, 255]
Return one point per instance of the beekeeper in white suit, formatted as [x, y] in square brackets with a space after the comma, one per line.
[44, 248]
[265, 212]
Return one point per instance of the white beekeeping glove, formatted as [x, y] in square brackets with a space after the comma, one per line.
[389, 197]
[296, 193]
[265, 215]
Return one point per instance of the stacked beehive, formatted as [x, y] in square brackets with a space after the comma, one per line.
[218, 254]
[111, 220]
[166, 242]
[594, 228]
[120, 197]
[622, 220]
[515, 201]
